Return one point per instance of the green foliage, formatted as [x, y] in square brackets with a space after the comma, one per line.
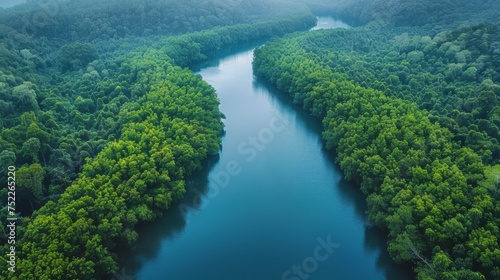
[76, 56]
[492, 181]
[25, 96]
[31, 178]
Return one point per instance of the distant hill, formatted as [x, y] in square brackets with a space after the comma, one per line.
[94, 19]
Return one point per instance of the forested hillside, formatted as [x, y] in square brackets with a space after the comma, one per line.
[409, 104]
[440, 14]
[103, 125]
[98, 20]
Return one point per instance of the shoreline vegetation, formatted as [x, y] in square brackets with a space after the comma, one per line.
[421, 142]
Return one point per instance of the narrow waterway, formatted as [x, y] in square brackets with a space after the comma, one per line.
[273, 205]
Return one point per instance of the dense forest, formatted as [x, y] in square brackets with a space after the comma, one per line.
[410, 106]
[103, 124]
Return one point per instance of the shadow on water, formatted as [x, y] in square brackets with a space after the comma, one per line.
[373, 238]
[171, 224]
[347, 190]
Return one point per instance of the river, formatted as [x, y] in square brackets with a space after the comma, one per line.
[273, 205]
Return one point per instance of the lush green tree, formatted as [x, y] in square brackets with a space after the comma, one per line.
[31, 178]
[77, 55]
[492, 180]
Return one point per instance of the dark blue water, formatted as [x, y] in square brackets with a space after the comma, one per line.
[272, 206]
